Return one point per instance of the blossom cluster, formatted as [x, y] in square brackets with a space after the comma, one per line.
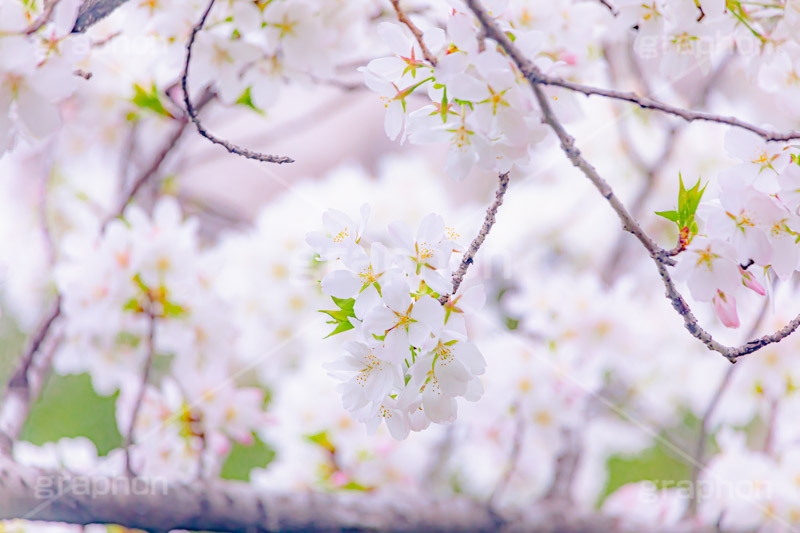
[255, 49]
[473, 98]
[37, 65]
[750, 232]
[140, 292]
[598, 370]
[412, 357]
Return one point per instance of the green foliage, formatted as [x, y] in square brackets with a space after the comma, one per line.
[688, 200]
[243, 458]
[657, 464]
[150, 101]
[12, 342]
[342, 315]
[321, 439]
[69, 407]
[247, 100]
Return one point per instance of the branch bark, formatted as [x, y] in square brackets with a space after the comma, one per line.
[403, 17]
[148, 363]
[156, 506]
[93, 11]
[700, 450]
[17, 396]
[649, 103]
[190, 108]
[477, 242]
[660, 256]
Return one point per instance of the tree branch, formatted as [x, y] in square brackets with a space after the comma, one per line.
[536, 76]
[652, 170]
[157, 506]
[488, 222]
[93, 11]
[699, 457]
[148, 363]
[533, 75]
[190, 109]
[17, 396]
[403, 17]
[513, 457]
[649, 103]
[158, 160]
[44, 18]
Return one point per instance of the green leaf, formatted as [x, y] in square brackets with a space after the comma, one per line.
[244, 458]
[172, 310]
[342, 327]
[321, 439]
[149, 100]
[342, 315]
[695, 194]
[337, 316]
[133, 305]
[669, 215]
[352, 485]
[688, 201]
[247, 100]
[126, 338]
[657, 464]
[69, 407]
[345, 304]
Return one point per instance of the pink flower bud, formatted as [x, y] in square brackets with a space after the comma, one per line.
[750, 282]
[725, 307]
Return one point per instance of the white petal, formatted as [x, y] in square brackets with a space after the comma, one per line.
[397, 296]
[341, 284]
[439, 408]
[40, 117]
[467, 353]
[398, 426]
[429, 312]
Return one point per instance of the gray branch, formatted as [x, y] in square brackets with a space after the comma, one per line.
[157, 506]
[93, 11]
[661, 257]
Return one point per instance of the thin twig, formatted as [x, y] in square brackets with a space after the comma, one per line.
[488, 222]
[155, 165]
[17, 396]
[566, 466]
[660, 258]
[93, 11]
[699, 457]
[148, 363]
[651, 171]
[44, 18]
[649, 103]
[190, 108]
[769, 439]
[403, 17]
[298, 125]
[536, 76]
[609, 6]
[513, 457]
